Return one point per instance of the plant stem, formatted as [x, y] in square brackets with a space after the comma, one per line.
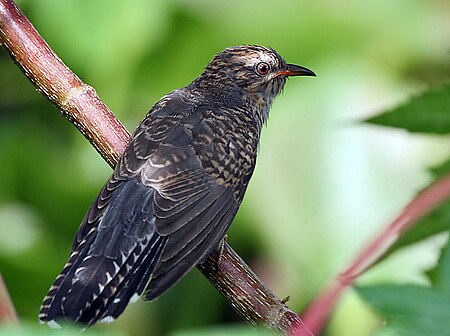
[249, 296]
[80, 104]
[316, 315]
[7, 311]
[77, 101]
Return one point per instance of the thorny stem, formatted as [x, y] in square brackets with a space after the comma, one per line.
[80, 104]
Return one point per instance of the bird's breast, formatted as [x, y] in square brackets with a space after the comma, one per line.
[226, 145]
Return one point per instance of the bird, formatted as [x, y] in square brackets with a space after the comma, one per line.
[175, 190]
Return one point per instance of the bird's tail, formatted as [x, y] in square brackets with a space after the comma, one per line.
[104, 294]
[107, 269]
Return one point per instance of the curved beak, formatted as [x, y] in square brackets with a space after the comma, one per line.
[296, 70]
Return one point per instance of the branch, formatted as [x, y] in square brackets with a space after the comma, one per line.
[251, 299]
[7, 311]
[79, 103]
[316, 315]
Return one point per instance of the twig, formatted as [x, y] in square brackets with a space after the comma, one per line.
[8, 313]
[80, 104]
[316, 315]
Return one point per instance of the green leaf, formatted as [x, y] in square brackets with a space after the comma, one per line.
[386, 331]
[426, 113]
[440, 275]
[435, 222]
[415, 310]
[441, 170]
[410, 309]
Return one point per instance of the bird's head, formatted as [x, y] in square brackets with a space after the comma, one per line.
[251, 73]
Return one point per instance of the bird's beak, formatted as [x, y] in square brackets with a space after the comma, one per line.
[295, 70]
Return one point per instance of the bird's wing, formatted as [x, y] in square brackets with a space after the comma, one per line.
[168, 203]
[197, 200]
[161, 120]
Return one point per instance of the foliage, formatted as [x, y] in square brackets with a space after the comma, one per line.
[319, 189]
[414, 309]
[427, 113]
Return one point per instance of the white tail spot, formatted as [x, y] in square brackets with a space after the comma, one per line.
[107, 319]
[53, 324]
[134, 298]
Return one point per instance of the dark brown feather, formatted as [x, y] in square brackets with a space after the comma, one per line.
[173, 193]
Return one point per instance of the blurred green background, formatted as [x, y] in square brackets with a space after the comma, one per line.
[324, 183]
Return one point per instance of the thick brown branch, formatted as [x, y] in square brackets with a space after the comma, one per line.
[248, 295]
[77, 101]
[80, 104]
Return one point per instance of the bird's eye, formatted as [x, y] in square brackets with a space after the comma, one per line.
[262, 68]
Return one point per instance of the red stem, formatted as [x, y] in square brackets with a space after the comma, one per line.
[8, 313]
[316, 315]
[80, 104]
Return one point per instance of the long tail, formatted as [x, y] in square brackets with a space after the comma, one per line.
[112, 263]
